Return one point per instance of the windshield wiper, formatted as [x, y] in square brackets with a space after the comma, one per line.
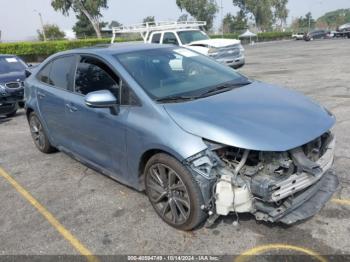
[169, 99]
[223, 88]
[217, 89]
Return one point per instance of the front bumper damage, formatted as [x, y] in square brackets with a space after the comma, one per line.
[308, 203]
[273, 186]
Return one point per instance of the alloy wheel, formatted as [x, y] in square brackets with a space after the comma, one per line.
[168, 194]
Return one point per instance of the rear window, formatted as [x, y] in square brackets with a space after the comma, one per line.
[44, 74]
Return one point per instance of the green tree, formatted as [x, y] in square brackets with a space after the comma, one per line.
[83, 27]
[149, 19]
[308, 21]
[202, 10]
[114, 24]
[52, 32]
[264, 12]
[183, 18]
[90, 8]
[235, 23]
[304, 24]
[335, 18]
[280, 11]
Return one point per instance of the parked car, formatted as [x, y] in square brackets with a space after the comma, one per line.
[189, 34]
[201, 140]
[331, 34]
[12, 75]
[343, 31]
[317, 34]
[298, 36]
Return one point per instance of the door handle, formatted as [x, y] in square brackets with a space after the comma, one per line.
[41, 95]
[71, 108]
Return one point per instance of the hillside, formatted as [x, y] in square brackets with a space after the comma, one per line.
[335, 18]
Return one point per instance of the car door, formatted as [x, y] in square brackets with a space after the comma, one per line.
[54, 82]
[97, 135]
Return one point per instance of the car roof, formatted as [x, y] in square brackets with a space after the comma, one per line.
[118, 48]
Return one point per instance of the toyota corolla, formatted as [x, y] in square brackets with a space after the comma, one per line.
[199, 138]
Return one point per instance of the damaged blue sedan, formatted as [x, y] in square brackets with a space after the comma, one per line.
[199, 138]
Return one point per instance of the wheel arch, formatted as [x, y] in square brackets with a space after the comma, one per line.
[146, 156]
[29, 110]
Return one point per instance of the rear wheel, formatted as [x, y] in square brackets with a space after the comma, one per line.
[39, 136]
[173, 192]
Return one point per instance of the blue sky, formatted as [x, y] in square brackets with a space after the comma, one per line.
[18, 21]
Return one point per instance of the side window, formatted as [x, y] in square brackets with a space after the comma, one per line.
[128, 96]
[170, 38]
[156, 39]
[44, 74]
[93, 75]
[61, 69]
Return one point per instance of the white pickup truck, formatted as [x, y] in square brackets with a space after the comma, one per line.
[189, 34]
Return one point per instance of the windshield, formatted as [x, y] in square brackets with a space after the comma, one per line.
[170, 72]
[11, 64]
[187, 37]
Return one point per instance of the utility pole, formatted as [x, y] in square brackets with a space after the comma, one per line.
[310, 7]
[42, 23]
[222, 19]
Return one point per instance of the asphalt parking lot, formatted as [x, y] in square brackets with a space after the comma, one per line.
[109, 218]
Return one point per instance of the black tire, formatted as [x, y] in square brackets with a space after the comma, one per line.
[39, 136]
[171, 188]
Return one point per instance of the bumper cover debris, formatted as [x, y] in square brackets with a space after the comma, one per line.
[305, 207]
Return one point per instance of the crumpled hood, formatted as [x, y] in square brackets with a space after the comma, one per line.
[12, 77]
[257, 117]
[218, 42]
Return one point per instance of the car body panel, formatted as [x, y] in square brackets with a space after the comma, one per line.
[51, 105]
[217, 42]
[96, 134]
[118, 140]
[142, 128]
[12, 77]
[258, 117]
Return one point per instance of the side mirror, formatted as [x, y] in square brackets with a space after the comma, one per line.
[102, 99]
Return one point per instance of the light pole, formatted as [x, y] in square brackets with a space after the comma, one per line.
[222, 19]
[42, 23]
[319, 2]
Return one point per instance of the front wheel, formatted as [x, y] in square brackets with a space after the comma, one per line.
[173, 192]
